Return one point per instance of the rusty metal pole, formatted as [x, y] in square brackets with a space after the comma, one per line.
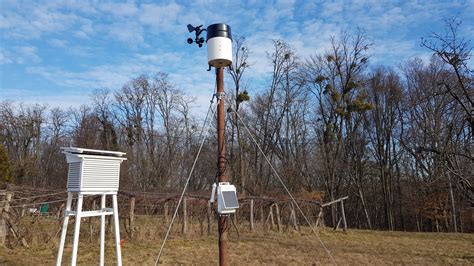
[221, 176]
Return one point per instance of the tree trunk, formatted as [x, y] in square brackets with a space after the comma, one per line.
[453, 207]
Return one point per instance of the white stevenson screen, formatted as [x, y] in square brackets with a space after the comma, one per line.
[230, 199]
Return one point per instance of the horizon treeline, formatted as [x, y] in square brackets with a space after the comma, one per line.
[398, 142]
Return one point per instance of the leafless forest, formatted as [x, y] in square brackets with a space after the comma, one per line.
[397, 140]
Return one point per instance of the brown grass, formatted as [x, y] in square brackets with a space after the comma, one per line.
[291, 248]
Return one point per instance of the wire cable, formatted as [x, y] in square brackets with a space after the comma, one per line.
[286, 188]
[203, 134]
[44, 202]
[235, 226]
[39, 196]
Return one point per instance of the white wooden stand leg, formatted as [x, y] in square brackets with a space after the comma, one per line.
[77, 228]
[102, 230]
[117, 230]
[64, 229]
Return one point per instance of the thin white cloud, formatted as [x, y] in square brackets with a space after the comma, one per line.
[26, 55]
[165, 59]
[119, 9]
[159, 16]
[128, 32]
[63, 100]
[96, 77]
[5, 57]
[71, 48]
[32, 20]
[57, 43]
[388, 50]
[332, 9]
[85, 30]
[108, 75]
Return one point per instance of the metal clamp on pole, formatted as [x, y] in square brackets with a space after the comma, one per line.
[220, 95]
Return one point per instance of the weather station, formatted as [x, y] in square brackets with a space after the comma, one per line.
[91, 172]
[219, 44]
[219, 56]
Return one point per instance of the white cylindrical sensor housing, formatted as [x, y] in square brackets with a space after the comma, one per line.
[219, 45]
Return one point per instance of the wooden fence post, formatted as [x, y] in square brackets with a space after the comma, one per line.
[338, 223]
[131, 217]
[4, 208]
[277, 209]
[185, 217]
[293, 217]
[251, 215]
[270, 217]
[320, 215]
[8, 224]
[343, 216]
[166, 212]
[8, 199]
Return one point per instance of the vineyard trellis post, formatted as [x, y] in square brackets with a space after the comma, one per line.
[4, 209]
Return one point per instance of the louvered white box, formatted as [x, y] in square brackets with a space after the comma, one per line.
[93, 170]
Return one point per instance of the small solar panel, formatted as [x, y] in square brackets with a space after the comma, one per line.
[230, 199]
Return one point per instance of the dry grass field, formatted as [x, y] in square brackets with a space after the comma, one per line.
[252, 248]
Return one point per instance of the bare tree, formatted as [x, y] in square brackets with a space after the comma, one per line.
[455, 51]
[385, 92]
[335, 79]
[269, 110]
[102, 104]
[433, 122]
[53, 168]
[239, 66]
[21, 134]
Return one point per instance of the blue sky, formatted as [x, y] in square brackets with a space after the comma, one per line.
[57, 52]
